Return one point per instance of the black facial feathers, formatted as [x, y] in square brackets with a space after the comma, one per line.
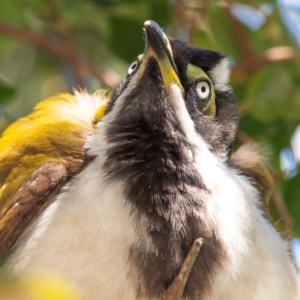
[152, 156]
[219, 132]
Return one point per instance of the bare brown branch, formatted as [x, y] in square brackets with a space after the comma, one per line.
[36, 39]
[47, 43]
[175, 290]
[244, 138]
[253, 64]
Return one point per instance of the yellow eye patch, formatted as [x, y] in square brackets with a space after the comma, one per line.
[196, 75]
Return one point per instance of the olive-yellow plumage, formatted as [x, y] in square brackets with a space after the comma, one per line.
[51, 138]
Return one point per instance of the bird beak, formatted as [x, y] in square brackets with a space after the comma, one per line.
[158, 47]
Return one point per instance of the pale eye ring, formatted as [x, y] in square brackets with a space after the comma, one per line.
[132, 67]
[203, 89]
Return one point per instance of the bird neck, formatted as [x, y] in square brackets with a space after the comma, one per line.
[166, 191]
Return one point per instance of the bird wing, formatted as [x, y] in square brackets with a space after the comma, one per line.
[39, 154]
[250, 161]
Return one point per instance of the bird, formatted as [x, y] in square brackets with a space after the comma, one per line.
[110, 190]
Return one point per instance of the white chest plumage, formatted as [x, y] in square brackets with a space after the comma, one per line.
[85, 237]
[93, 217]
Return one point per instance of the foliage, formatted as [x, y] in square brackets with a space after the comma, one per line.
[51, 46]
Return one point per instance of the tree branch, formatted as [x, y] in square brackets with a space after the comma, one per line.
[47, 43]
[253, 64]
[33, 38]
[175, 290]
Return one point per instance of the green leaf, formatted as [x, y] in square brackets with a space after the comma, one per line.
[223, 33]
[160, 12]
[124, 41]
[86, 18]
[291, 191]
[105, 3]
[204, 39]
[11, 12]
[136, 12]
[271, 94]
[6, 93]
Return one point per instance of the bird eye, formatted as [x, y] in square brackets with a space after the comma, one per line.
[132, 67]
[203, 89]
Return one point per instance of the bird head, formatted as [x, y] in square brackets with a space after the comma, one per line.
[168, 128]
[174, 87]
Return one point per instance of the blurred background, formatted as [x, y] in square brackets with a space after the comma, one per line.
[52, 46]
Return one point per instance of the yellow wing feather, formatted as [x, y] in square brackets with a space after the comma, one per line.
[55, 131]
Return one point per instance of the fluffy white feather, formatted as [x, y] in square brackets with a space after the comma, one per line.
[220, 75]
[87, 233]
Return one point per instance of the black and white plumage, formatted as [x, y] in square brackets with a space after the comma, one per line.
[159, 179]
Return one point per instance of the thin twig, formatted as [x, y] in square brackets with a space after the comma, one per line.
[175, 290]
[47, 43]
[253, 64]
[37, 39]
